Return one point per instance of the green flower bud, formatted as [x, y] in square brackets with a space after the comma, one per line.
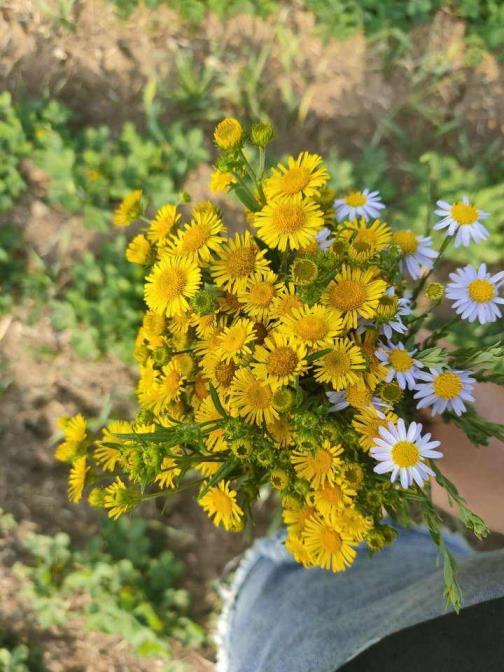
[435, 292]
[304, 271]
[204, 302]
[261, 134]
[283, 399]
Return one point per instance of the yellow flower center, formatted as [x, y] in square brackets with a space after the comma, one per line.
[355, 199]
[400, 360]
[235, 339]
[405, 454]
[481, 290]
[338, 363]
[447, 385]
[358, 396]
[258, 396]
[241, 262]
[321, 462]
[407, 241]
[330, 540]
[464, 213]
[287, 303]
[364, 240]
[282, 362]
[347, 295]
[311, 328]
[295, 180]
[332, 494]
[288, 218]
[195, 237]
[262, 293]
[171, 283]
[222, 503]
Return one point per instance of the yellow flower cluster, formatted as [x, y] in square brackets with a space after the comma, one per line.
[259, 357]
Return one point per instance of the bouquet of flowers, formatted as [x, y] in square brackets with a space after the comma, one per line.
[282, 355]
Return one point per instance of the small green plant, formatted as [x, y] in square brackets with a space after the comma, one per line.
[103, 303]
[128, 581]
[18, 657]
[14, 147]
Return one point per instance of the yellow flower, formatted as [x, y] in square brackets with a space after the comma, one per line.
[75, 433]
[319, 467]
[252, 398]
[108, 455]
[169, 387]
[238, 259]
[304, 175]
[296, 547]
[120, 499]
[153, 326]
[328, 547]
[129, 209]
[377, 371]
[77, 479]
[315, 326]
[358, 395]
[332, 497]
[295, 517]
[220, 370]
[289, 223]
[354, 293]
[169, 471]
[341, 366]
[221, 181]
[367, 239]
[200, 238]
[235, 341]
[206, 413]
[280, 360]
[258, 296]
[228, 134]
[138, 250]
[171, 282]
[221, 505]
[165, 219]
[285, 302]
[367, 423]
[352, 523]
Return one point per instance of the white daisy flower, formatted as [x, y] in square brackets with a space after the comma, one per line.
[476, 293]
[403, 451]
[324, 239]
[345, 398]
[417, 253]
[366, 204]
[462, 218]
[444, 390]
[401, 364]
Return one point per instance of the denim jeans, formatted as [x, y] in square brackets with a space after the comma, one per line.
[280, 617]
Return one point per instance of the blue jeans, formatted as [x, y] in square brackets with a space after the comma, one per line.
[280, 617]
